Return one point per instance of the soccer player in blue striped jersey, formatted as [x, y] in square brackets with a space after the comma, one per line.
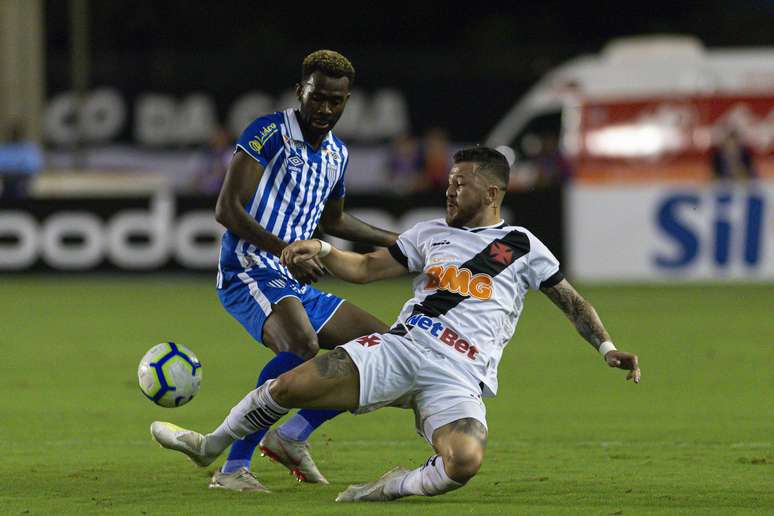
[285, 179]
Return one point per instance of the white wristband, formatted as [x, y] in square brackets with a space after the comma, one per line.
[606, 347]
[325, 248]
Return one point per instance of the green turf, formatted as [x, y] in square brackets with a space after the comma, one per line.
[567, 435]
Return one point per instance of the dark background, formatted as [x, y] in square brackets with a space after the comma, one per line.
[461, 66]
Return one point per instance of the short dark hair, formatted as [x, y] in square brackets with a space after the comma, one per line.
[330, 63]
[490, 162]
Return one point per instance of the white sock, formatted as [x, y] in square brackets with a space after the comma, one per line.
[257, 410]
[429, 480]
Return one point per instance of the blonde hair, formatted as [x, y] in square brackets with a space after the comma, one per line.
[330, 63]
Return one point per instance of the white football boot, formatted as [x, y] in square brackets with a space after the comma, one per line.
[294, 455]
[372, 491]
[189, 442]
[240, 480]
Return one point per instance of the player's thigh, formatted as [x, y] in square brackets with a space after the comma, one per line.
[387, 366]
[328, 381]
[348, 323]
[288, 329]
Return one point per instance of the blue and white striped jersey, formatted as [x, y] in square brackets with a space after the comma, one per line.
[297, 181]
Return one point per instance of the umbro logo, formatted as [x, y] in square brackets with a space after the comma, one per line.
[295, 161]
[442, 242]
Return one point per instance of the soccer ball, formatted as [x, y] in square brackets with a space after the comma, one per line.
[169, 374]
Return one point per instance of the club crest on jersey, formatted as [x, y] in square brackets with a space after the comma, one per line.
[460, 281]
[501, 253]
[332, 154]
[368, 341]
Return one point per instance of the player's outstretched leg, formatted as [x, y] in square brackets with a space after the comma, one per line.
[242, 451]
[460, 447]
[235, 473]
[325, 382]
[191, 443]
[256, 411]
[289, 333]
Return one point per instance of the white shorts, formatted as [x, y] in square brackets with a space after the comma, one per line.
[396, 372]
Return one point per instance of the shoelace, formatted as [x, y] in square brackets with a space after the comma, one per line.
[248, 473]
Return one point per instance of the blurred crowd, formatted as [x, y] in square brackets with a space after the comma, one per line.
[412, 165]
[732, 158]
[422, 164]
[20, 160]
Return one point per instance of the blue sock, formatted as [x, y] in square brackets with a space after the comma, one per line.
[306, 421]
[242, 451]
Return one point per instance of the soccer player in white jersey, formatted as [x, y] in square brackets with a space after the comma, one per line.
[286, 176]
[441, 355]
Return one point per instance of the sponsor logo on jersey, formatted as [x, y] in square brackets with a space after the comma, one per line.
[295, 164]
[460, 281]
[260, 139]
[267, 131]
[439, 243]
[455, 286]
[446, 335]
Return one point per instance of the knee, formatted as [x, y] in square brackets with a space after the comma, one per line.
[282, 389]
[463, 462]
[299, 341]
[306, 346]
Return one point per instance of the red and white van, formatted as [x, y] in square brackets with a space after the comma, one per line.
[655, 108]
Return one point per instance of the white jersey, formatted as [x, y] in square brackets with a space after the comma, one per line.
[470, 293]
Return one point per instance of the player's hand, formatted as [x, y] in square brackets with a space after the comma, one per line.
[300, 251]
[301, 259]
[308, 271]
[624, 360]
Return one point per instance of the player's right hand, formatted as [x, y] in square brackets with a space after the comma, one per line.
[300, 258]
[299, 251]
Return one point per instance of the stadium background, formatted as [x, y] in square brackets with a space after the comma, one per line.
[107, 248]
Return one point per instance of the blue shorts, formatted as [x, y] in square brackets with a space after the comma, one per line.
[250, 294]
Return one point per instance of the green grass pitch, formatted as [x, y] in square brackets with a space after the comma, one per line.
[567, 434]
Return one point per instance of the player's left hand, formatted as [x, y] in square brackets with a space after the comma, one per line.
[624, 360]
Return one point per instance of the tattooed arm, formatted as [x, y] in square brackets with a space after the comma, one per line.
[578, 311]
[589, 325]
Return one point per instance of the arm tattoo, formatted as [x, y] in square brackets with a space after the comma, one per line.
[579, 311]
[471, 427]
[335, 364]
